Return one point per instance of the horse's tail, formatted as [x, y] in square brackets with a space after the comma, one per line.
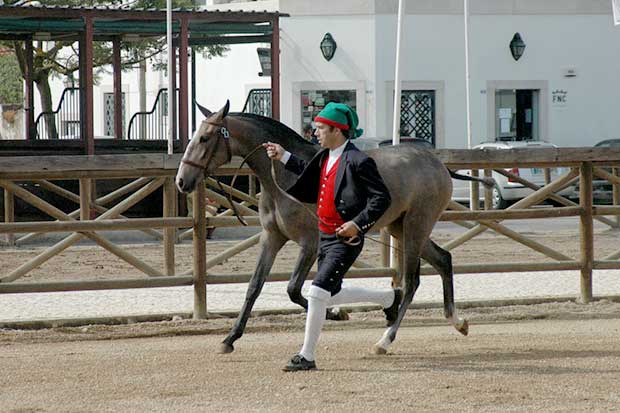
[486, 181]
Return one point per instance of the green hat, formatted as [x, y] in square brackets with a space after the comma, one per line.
[341, 116]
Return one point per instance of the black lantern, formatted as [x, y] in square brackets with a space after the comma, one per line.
[517, 46]
[328, 47]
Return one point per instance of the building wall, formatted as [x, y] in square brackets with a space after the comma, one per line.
[559, 34]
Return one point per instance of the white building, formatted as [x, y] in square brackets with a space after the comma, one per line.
[564, 89]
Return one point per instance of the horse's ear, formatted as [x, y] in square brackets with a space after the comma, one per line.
[206, 112]
[224, 111]
[226, 108]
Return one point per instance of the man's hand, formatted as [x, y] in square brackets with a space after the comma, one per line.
[347, 230]
[274, 151]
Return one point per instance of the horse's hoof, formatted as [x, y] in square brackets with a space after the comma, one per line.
[378, 350]
[463, 328]
[337, 314]
[226, 348]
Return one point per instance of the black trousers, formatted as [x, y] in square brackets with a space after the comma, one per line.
[334, 260]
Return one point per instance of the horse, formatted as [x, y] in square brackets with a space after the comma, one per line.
[419, 185]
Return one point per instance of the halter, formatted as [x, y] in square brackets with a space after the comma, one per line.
[225, 135]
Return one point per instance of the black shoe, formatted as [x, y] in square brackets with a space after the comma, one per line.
[298, 363]
[391, 313]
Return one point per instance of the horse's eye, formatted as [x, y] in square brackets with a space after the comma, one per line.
[203, 138]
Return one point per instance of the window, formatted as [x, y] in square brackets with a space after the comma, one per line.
[417, 114]
[108, 113]
[517, 113]
[313, 101]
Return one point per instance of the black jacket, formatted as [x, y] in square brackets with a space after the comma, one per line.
[360, 193]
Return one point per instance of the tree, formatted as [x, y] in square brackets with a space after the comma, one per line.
[61, 58]
[11, 87]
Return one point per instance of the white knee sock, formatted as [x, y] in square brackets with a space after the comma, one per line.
[317, 305]
[348, 295]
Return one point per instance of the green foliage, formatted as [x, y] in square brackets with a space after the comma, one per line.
[11, 87]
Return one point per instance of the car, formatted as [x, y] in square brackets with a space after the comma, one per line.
[507, 191]
[602, 189]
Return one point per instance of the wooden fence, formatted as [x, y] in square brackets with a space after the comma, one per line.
[153, 171]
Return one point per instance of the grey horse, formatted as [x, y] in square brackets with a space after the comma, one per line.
[418, 182]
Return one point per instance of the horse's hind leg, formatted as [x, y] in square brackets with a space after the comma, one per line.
[441, 260]
[415, 233]
[270, 244]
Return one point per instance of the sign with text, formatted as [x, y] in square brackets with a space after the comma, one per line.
[559, 97]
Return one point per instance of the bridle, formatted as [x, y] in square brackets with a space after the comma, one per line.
[223, 135]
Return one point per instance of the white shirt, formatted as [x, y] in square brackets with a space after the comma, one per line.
[334, 154]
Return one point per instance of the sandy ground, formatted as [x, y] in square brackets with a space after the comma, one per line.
[547, 357]
[551, 358]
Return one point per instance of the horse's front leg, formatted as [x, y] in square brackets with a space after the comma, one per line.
[270, 244]
[305, 260]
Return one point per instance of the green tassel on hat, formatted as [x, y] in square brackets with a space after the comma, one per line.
[340, 116]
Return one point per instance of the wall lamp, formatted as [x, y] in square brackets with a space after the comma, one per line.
[517, 46]
[328, 46]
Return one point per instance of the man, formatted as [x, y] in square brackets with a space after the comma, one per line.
[350, 196]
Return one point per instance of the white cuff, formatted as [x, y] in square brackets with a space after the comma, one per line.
[319, 293]
[284, 159]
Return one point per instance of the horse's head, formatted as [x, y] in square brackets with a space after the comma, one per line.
[208, 149]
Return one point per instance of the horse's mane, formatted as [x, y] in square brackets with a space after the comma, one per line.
[279, 132]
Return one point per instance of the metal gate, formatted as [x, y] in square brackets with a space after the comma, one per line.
[258, 102]
[417, 114]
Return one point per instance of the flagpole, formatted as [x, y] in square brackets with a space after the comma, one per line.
[171, 90]
[467, 100]
[397, 86]
[396, 119]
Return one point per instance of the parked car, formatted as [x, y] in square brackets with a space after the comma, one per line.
[602, 189]
[507, 191]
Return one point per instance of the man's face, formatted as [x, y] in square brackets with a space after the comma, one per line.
[328, 137]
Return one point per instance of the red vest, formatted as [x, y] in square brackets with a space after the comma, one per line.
[329, 218]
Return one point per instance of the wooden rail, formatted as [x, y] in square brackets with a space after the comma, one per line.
[154, 171]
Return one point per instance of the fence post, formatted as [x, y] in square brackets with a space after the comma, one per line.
[616, 195]
[384, 236]
[85, 198]
[9, 213]
[586, 230]
[488, 192]
[252, 185]
[200, 252]
[169, 233]
[474, 194]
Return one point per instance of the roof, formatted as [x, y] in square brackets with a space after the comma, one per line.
[48, 22]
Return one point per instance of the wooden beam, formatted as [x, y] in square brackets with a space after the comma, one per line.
[86, 86]
[183, 84]
[31, 132]
[586, 230]
[116, 224]
[9, 214]
[118, 88]
[200, 252]
[275, 69]
[170, 200]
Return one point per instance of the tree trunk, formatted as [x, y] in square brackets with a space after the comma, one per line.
[45, 93]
